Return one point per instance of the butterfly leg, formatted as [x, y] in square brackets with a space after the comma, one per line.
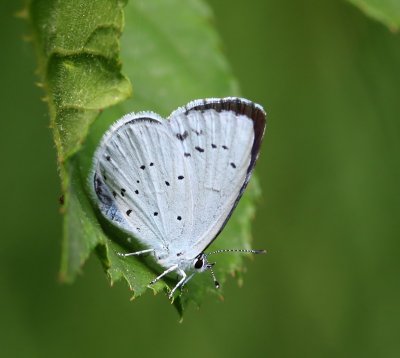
[137, 253]
[167, 271]
[186, 280]
[179, 284]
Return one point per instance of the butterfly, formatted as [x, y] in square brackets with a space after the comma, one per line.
[173, 184]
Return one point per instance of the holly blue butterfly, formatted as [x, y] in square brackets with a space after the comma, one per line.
[173, 184]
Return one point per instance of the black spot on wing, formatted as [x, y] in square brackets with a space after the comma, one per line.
[180, 177]
[233, 165]
[199, 149]
[200, 132]
[101, 191]
[128, 212]
[213, 146]
[187, 155]
[182, 136]
[97, 182]
[143, 167]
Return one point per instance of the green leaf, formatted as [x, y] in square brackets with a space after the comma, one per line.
[77, 46]
[385, 11]
[170, 60]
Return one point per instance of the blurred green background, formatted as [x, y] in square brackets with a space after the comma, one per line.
[329, 78]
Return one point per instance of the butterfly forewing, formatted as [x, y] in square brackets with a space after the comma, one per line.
[221, 137]
[219, 145]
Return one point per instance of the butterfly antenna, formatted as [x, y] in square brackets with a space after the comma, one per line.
[216, 283]
[237, 250]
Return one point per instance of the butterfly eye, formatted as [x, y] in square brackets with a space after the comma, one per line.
[198, 264]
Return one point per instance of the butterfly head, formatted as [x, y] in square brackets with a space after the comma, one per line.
[201, 264]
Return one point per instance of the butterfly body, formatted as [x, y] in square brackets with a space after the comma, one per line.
[173, 184]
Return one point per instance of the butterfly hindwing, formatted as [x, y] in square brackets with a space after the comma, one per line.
[140, 168]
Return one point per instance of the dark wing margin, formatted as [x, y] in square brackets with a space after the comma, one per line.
[239, 106]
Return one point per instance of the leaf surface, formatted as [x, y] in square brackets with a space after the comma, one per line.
[385, 11]
[170, 60]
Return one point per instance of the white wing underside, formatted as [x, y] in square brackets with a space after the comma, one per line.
[173, 183]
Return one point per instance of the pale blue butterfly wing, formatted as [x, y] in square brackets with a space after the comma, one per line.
[137, 182]
[217, 139]
[174, 183]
